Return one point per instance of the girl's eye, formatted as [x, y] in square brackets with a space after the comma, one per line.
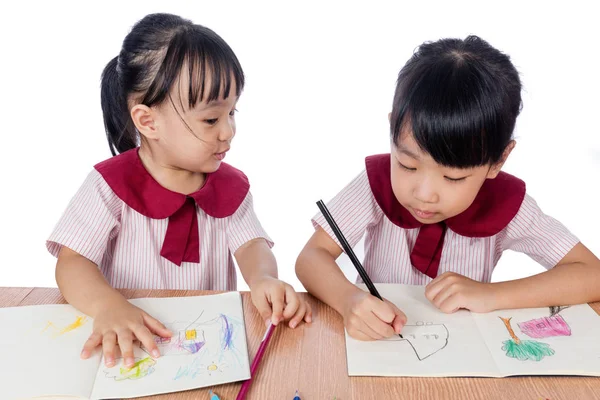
[454, 179]
[232, 113]
[211, 121]
[405, 167]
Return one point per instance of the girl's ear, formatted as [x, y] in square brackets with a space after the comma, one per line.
[144, 120]
[495, 170]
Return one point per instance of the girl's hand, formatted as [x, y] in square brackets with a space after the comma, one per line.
[278, 301]
[368, 318]
[117, 326]
[450, 292]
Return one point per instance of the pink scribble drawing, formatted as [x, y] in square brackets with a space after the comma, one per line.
[545, 327]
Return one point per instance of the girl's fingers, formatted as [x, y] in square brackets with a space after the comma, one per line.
[109, 342]
[125, 340]
[90, 345]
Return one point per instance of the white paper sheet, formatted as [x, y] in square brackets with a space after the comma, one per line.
[42, 345]
[465, 344]
[566, 343]
[208, 348]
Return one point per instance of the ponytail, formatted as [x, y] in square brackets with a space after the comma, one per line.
[120, 131]
[150, 62]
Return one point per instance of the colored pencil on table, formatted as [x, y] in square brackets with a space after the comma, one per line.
[259, 355]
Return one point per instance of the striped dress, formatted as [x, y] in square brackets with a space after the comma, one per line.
[126, 245]
[388, 247]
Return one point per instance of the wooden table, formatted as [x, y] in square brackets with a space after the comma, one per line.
[312, 358]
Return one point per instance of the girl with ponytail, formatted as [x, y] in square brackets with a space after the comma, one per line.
[165, 212]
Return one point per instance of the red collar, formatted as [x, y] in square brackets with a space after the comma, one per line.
[496, 204]
[220, 196]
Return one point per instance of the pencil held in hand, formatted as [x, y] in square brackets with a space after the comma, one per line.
[348, 250]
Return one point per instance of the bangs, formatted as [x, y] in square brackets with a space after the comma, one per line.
[209, 63]
[457, 110]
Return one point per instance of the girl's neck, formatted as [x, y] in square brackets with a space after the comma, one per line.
[168, 176]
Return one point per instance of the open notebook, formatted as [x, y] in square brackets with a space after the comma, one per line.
[41, 346]
[540, 341]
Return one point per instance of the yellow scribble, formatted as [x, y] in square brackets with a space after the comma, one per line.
[48, 325]
[139, 370]
[79, 322]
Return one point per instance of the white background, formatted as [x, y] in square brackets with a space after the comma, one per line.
[320, 81]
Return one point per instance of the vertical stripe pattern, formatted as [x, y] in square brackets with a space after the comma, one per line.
[126, 244]
[388, 246]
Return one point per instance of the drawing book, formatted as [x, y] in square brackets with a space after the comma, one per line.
[535, 341]
[42, 346]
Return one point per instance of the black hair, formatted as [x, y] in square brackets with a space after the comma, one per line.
[460, 100]
[150, 62]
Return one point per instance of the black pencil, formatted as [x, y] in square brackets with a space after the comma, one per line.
[338, 233]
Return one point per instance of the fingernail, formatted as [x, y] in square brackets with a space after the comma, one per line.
[110, 362]
[84, 354]
[292, 325]
[155, 353]
[129, 361]
[308, 319]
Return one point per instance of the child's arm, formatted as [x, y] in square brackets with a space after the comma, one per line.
[574, 280]
[274, 299]
[573, 276]
[365, 316]
[116, 321]
[83, 285]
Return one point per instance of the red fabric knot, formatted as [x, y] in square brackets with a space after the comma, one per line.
[496, 204]
[221, 195]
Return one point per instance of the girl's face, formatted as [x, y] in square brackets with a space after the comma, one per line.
[193, 139]
[430, 191]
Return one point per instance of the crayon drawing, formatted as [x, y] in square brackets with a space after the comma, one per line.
[80, 320]
[524, 350]
[191, 337]
[544, 327]
[188, 338]
[217, 352]
[425, 338]
[142, 368]
[197, 368]
[198, 348]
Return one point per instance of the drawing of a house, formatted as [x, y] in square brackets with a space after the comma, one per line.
[545, 327]
[187, 339]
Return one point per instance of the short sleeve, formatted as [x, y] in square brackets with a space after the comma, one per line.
[538, 235]
[353, 209]
[90, 222]
[244, 226]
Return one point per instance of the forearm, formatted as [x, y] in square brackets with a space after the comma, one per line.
[256, 261]
[323, 278]
[567, 284]
[83, 285]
